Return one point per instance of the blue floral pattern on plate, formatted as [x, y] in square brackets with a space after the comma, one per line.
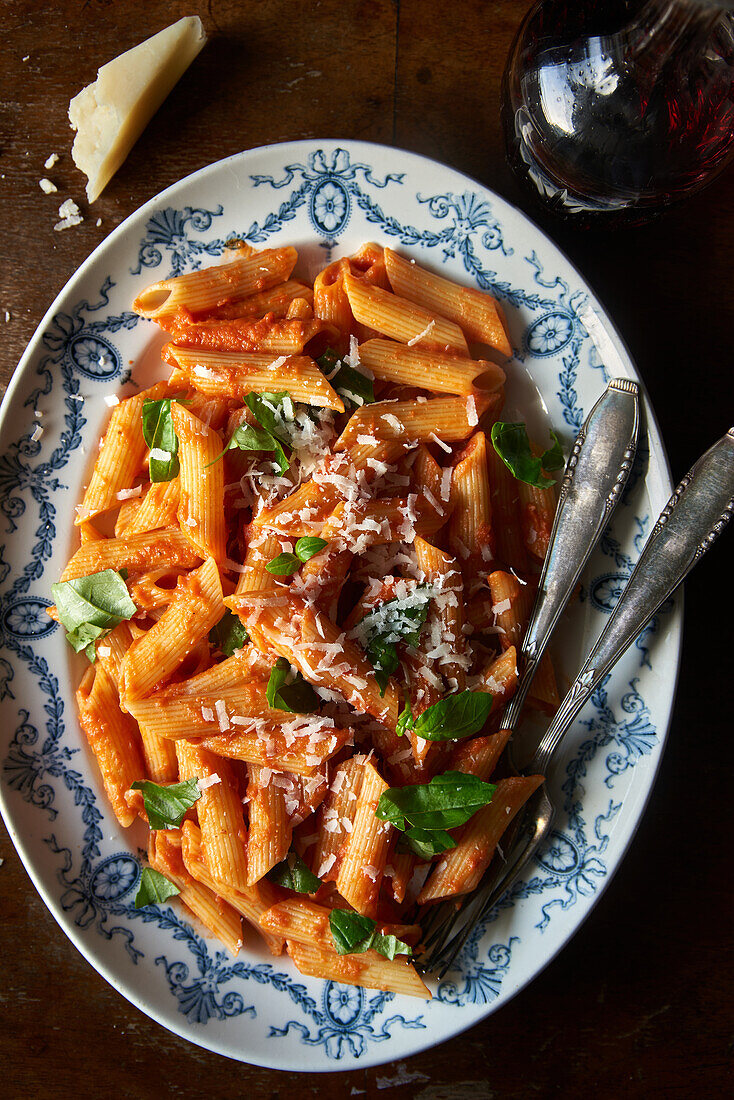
[333, 198]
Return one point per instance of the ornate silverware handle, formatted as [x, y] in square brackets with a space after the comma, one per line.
[694, 517]
[595, 475]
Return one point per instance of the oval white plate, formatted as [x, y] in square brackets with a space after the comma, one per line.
[326, 198]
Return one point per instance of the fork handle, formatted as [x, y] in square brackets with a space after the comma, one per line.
[693, 519]
[596, 473]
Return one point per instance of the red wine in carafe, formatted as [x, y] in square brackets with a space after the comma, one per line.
[614, 109]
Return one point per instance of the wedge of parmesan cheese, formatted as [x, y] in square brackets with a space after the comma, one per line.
[110, 114]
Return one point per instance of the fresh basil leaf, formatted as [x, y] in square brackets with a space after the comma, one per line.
[229, 634]
[455, 716]
[405, 722]
[166, 806]
[352, 934]
[447, 801]
[249, 438]
[308, 546]
[154, 888]
[283, 565]
[260, 404]
[387, 624]
[159, 434]
[428, 843]
[354, 387]
[383, 656]
[511, 443]
[91, 606]
[297, 696]
[293, 874]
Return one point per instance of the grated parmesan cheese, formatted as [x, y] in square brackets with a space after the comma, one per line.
[69, 214]
[426, 332]
[471, 411]
[47, 186]
[208, 781]
[128, 494]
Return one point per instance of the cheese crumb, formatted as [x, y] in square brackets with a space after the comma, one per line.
[70, 215]
[47, 186]
[111, 399]
[51, 160]
[208, 781]
[426, 332]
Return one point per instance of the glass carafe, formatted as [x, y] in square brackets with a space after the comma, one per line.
[615, 109]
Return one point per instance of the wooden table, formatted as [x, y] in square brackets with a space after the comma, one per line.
[636, 1005]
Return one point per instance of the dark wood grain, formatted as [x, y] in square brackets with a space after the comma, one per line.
[637, 1004]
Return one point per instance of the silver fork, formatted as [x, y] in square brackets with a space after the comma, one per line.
[592, 485]
[694, 517]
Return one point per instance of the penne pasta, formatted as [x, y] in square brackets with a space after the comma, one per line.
[210, 286]
[400, 319]
[428, 369]
[201, 493]
[237, 373]
[449, 418]
[477, 313]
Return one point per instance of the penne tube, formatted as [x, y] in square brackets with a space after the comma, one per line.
[127, 510]
[196, 607]
[330, 301]
[209, 287]
[479, 755]
[219, 810]
[336, 817]
[370, 969]
[500, 678]
[511, 604]
[537, 512]
[276, 302]
[476, 312]
[505, 501]
[201, 494]
[251, 903]
[237, 373]
[138, 554]
[164, 856]
[120, 457]
[113, 737]
[401, 870]
[284, 337]
[158, 508]
[262, 547]
[460, 870]
[447, 418]
[442, 571]
[299, 920]
[364, 852]
[270, 833]
[429, 369]
[470, 527]
[402, 320]
[543, 694]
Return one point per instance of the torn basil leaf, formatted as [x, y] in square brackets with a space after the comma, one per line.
[89, 607]
[285, 692]
[308, 546]
[248, 438]
[354, 387]
[511, 443]
[391, 622]
[427, 843]
[352, 934]
[293, 874]
[166, 806]
[159, 435]
[284, 565]
[455, 716]
[229, 634]
[154, 888]
[447, 801]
